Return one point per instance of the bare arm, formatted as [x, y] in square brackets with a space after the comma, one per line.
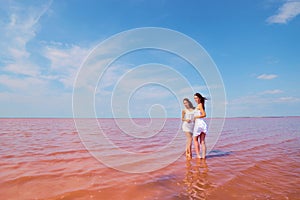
[182, 115]
[203, 113]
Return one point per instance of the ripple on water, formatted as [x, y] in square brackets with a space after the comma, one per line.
[255, 158]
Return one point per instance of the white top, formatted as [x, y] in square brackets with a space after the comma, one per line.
[188, 127]
[189, 114]
[197, 112]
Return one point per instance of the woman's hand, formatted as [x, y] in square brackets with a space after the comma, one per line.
[188, 120]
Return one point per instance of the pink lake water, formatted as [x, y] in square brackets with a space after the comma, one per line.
[254, 158]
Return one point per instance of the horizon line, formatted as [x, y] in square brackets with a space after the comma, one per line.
[50, 117]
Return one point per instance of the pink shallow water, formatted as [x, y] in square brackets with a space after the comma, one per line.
[254, 158]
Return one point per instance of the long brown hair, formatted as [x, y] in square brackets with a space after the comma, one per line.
[189, 102]
[202, 99]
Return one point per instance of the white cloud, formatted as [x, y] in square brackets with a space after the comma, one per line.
[65, 61]
[287, 100]
[20, 26]
[152, 92]
[267, 76]
[112, 74]
[276, 91]
[267, 97]
[28, 88]
[18, 29]
[286, 12]
[144, 85]
[23, 85]
[35, 104]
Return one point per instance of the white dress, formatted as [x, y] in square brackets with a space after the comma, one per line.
[200, 125]
[188, 127]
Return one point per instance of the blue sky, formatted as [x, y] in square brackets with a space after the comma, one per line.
[255, 45]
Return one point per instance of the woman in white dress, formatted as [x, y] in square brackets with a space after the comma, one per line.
[200, 128]
[188, 125]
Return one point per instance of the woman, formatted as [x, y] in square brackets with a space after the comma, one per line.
[200, 128]
[188, 125]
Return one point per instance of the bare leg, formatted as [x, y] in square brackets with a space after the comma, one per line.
[203, 146]
[197, 146]
[188, 149]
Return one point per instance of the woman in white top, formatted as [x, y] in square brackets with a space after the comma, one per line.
[200, 128]
[188, 125]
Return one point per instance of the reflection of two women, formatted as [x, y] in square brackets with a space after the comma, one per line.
[196, 179]
[194, 126]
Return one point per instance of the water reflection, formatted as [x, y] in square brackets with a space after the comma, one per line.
[196, 183]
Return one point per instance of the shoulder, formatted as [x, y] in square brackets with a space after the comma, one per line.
[200, 106]
[183, 111]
